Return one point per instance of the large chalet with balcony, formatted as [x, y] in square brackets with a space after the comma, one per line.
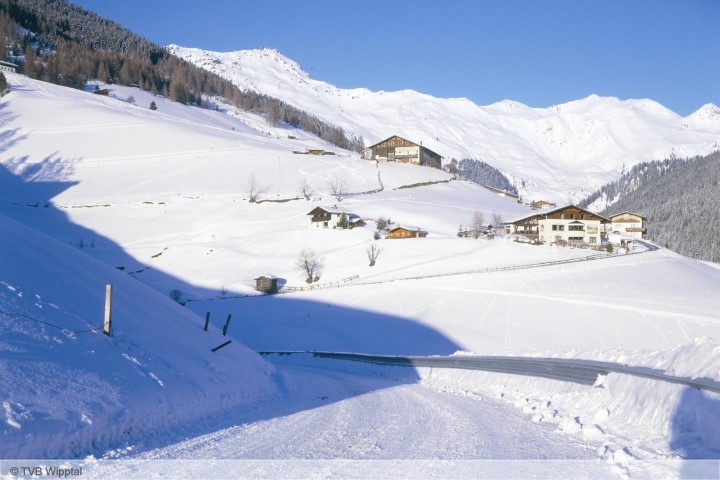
[397, 149]
[568, 224]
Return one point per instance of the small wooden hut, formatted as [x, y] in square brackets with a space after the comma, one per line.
[266, 284]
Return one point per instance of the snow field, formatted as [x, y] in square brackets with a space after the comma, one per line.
[162, 197]
[513, 314]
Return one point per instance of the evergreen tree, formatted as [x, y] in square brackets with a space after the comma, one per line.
[343, 222]
[3, 83]
[153, 105]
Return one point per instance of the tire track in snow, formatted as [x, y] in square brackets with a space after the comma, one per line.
[368, 417]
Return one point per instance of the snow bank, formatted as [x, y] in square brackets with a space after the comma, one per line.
[625, 416]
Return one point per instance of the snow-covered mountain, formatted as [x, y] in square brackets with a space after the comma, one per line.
[559, 153]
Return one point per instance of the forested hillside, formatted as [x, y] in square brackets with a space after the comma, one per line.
[61, 43]
[679, 197]
[483, 173]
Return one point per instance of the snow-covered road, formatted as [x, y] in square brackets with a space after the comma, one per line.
[353, 416]
[371, 422]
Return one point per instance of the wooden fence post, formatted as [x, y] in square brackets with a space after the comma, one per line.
[207, 320]
[107, 325]
[221, 346]
[227, 324]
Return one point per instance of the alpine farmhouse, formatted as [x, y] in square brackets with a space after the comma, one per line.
[397, 149]
[332, 217]
[569, 224]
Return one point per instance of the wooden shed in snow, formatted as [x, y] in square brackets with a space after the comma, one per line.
[266, 284]
[406, 232]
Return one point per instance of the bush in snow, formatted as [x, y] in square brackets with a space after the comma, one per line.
[373, 252]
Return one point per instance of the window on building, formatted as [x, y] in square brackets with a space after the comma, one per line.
[592, 239]
[576, 239]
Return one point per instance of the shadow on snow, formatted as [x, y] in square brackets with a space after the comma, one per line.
[695, 433]
[265, 322]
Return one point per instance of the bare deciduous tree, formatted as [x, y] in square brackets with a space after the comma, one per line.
[254, 190]
[476, 226]
[273, 113]
[306, 189]
[338, 189]
[373, 252]
[309, 264]
[497, 220]
[382, 222]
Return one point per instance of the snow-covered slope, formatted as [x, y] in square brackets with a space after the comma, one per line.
[136, 183]
[68, 389]
[161, 197]
[562, 152]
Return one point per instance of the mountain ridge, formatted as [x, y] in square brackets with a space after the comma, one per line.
[561, 153]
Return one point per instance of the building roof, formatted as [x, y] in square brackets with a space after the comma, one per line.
[334, 210]
[623, 213]
[545, 213]
[409, 228]
[409, 141]
[393, 136]
[267, 275]
[539, 203]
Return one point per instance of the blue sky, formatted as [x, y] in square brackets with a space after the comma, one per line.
[539, 53]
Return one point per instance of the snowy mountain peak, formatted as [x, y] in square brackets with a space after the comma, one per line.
[508, 105]
[708, 112]
[247, 68]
